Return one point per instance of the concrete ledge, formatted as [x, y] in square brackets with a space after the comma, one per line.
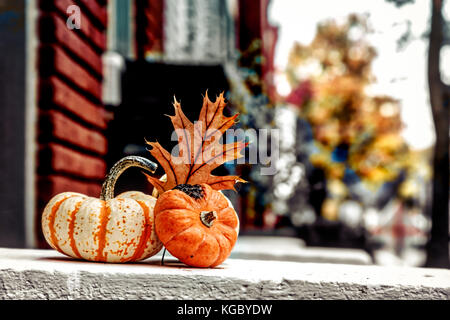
[294, 249]
[46, 274]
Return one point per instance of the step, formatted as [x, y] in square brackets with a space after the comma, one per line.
[47, 274]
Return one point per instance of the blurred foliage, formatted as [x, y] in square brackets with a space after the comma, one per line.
[248, 96]
[356, 136]
[400, 3]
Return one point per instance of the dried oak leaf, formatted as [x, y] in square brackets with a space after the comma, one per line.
[199, 150]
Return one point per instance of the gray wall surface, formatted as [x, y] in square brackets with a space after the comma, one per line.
[12, 122]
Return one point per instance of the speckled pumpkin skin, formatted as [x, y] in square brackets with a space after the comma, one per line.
[117, 230]
[180, 229]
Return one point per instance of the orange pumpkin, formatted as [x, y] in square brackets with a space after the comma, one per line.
[197, 224]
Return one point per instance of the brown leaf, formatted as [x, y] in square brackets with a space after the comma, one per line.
[199, 148]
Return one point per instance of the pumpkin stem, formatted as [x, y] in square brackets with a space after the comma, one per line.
[118, 168]
[208, 217]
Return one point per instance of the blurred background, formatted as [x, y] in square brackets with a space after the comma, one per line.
[358, 90]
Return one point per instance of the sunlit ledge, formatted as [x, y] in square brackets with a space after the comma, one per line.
[46, 274]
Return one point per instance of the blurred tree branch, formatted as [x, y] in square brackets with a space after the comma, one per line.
[438, 246]
[438, 35]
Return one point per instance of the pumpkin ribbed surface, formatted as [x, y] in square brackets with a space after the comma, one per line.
[116, 230]
[179, 225]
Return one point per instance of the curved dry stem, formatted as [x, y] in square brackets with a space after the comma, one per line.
[118, 168]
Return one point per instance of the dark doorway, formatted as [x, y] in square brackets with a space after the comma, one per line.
[148, 91]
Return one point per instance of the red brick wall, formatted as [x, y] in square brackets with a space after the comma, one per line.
[72, 118]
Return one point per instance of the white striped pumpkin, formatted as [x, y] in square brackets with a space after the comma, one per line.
[108, 229]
